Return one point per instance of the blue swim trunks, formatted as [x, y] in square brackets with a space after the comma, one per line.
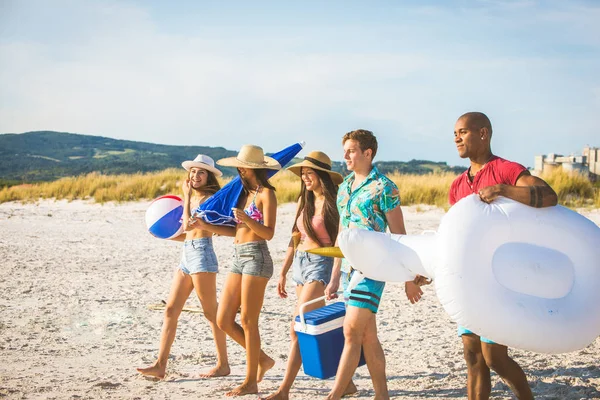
[367, 294]
[464, 331]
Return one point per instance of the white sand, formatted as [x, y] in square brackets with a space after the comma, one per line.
[76, 280]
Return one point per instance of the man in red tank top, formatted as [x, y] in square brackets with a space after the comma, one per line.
[490, 176]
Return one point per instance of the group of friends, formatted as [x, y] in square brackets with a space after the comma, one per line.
[328, 203]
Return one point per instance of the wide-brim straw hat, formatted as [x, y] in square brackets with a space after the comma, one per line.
[250, 156]
[202, 161]
[317, 160]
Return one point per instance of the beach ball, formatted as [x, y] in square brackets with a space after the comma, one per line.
[163, 217]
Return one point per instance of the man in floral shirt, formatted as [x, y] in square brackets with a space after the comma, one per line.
[366, 200]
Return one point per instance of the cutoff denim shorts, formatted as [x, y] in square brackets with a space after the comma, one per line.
[198, 256]
[307, 268]
[253, 258]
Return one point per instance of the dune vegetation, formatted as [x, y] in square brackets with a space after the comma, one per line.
[573, 190]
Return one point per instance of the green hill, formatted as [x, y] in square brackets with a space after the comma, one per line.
[47, 155]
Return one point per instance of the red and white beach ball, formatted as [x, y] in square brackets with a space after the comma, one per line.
[164, 217]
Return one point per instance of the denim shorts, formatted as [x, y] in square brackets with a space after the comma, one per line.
[253, 258]
[307, 268]
[367, 294]
[198, 256]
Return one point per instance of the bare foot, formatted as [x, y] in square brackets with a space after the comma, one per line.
[350, 389]
[154, 371]
[264, 365]
[219, 370]
[243, 389]
[278, 395]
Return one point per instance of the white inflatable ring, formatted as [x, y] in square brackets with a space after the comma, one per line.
[524, 277]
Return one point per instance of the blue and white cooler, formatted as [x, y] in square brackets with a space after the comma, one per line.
[321, 338]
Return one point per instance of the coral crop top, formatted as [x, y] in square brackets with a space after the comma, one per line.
[318, 225]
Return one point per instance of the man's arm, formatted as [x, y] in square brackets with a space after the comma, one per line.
[452, 193]
[529, 190]
[395, 221]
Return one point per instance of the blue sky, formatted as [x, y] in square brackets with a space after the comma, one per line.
[270, 73]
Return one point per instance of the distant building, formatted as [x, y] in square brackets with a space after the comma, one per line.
[593, 159]
[587, 164]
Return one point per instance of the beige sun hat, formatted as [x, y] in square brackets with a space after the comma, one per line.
[202, 161]
[250, 156]
[317, 160]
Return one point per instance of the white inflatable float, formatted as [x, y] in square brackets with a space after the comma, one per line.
[524, 277]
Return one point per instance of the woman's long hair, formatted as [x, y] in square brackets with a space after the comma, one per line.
[212, 184]
[330, 211]
[261, 178]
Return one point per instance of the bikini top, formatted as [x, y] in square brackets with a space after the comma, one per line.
[318, 225]
[252, 210]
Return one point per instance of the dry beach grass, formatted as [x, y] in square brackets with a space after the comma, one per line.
[573, 190]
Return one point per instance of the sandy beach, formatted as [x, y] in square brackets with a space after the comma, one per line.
[77, 280]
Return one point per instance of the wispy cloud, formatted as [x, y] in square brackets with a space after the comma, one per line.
[115, 69]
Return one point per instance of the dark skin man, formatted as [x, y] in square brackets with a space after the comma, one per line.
[472, 137]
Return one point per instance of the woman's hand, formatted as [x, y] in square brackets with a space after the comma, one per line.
[186, 188]
[281, 287]
[239, 215]
[196, 222]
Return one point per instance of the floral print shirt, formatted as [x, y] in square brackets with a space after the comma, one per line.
[366, 206]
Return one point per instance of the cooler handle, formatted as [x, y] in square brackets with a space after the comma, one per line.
[303, 305]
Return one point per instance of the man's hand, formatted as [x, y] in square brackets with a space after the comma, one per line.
[490, 193]
[421, 280]
[331, 289]
[413, 292]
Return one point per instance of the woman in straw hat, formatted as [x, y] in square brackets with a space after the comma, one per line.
[316, 225]
[197, 270]
[252, 267]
